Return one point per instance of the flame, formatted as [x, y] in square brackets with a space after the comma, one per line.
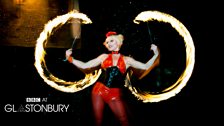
[40, 64]
[190, 57]
[89, 79]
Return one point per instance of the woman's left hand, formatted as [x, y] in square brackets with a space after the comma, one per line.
[155, 49]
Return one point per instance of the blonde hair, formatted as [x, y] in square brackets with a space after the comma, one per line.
[118, 37]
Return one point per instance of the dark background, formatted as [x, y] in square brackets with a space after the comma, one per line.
[196, 102]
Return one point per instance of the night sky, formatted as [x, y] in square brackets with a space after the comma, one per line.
[196, 101]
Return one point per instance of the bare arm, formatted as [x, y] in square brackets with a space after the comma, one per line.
[143, 66]
[86, 65]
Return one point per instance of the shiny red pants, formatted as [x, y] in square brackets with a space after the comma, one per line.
[111, 96]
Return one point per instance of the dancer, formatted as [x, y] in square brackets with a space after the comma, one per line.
[107, 89]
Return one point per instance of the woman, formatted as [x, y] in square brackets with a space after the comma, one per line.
[114, 66]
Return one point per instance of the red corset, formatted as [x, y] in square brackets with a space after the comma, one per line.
[108, 62]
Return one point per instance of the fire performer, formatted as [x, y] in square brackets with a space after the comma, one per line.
[107, 89]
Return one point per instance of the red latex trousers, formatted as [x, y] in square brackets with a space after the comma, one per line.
[102, 95]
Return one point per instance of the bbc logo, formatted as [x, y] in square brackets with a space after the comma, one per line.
[33, 99]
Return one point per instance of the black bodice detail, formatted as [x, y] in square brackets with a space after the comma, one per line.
[112, 77]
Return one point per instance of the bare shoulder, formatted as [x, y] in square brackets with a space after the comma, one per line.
[103, 56]
[128, 59]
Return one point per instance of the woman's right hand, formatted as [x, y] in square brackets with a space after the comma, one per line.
[68, 53]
